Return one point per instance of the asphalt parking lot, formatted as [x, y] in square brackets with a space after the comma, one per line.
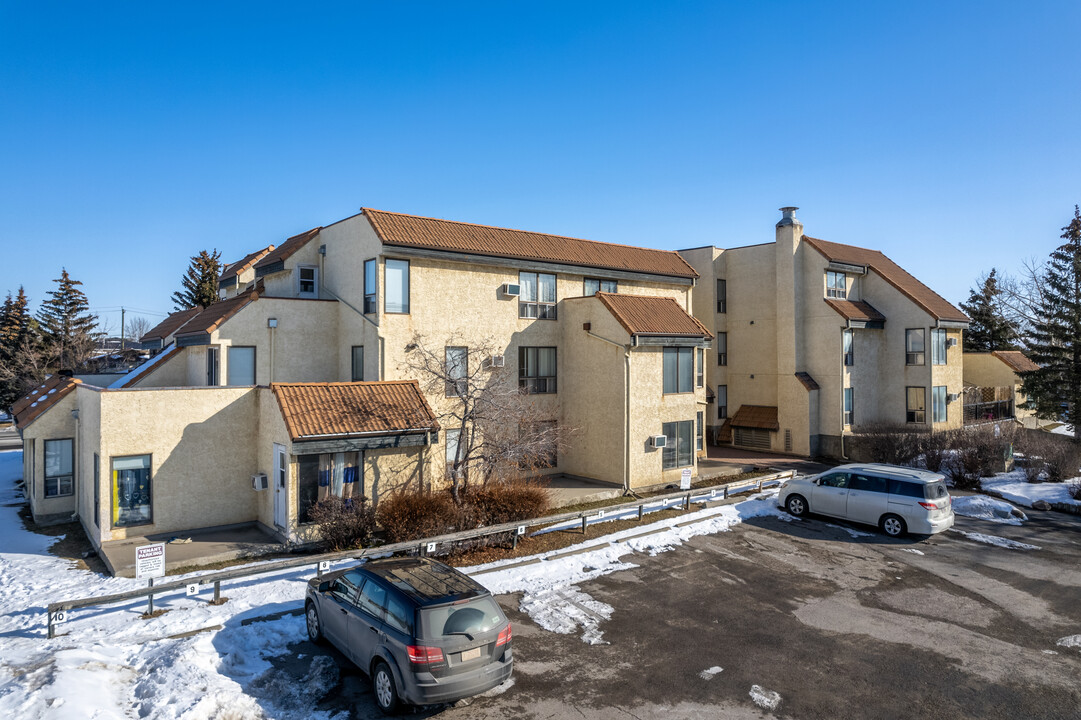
[837, 620]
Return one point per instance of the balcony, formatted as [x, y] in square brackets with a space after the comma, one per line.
[987, 404]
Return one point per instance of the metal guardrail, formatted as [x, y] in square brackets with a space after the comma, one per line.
[57, 610]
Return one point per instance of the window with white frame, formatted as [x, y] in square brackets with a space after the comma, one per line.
[396, 286]
[849, 351]
[537, 369]
[914, 347]
[915, 405]
[59, 462]
[938, 404]
[677, 370]
[538, 296]
[835, 285]
[938, 346]
[307, 281]
[370, 305]
[456, 369]
[678, 449]
[592, 286]
[849, 401]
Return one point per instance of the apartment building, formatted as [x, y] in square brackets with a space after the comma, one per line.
[297, 383]
[815, 340]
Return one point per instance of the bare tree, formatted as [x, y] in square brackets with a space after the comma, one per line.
[137, 327]
[1023, 294]
[495, 429]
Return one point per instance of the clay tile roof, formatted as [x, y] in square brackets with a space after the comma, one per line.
[856, 310]
[642, 315]
[170, 324]
[1016, 360]
[212, 317]
[763, 417]
[37, 401]
[313, 410]
[933, 303]
[434, 234]
[248, 261]
[287, 248]
[807, 380]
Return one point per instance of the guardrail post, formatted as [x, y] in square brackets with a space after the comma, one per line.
[514, 542]
[217, 592]
[150, 598]
[639, 512]
[51, 629]
[584, 521]
[725, 492]
[758, 488]
[687, 501]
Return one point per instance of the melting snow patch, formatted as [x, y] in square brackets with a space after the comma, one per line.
[1072, 641]
[850, 531]
[986, 508]
[996, 540]
[708, 673]
[565, 609]
[914, 551]
[765, 698]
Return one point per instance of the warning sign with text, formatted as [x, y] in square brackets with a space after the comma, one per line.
[150, 561]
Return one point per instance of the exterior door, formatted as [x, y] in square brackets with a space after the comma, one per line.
[281, 487]
[831, 495]
[867, 498]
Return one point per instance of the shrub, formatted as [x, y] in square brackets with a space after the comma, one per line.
[936, 449]
[893, 444]
[415, 515]
[1075, 490]
[343, 524]
[1049, 457]
[503, 502]
[978, 452]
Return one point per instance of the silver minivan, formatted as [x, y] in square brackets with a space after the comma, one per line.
[896, 499]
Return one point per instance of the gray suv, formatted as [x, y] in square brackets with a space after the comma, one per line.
[424, 632]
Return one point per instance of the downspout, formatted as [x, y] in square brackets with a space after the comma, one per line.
[626, 409]
[75, 456]
[843, 456]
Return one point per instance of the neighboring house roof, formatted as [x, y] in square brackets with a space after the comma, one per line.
[856, 310]
[286, 249]
[434, 234]
[212, 317]
[170, 324]
[643, 315]
[244, 264]
[763, 417]
[142, 371]
[933, 303]
[316, 410]
[807, 381]
[37, 401]
[1016, 360]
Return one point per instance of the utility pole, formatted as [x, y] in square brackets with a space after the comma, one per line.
[122, 328]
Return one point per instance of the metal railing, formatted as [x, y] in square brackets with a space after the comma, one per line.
[57, 610]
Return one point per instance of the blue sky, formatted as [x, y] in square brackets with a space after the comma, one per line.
[133, 135]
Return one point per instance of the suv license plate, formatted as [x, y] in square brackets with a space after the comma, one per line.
[468, 655]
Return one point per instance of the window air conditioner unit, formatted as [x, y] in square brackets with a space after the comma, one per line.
[259, 481]
[952, 397]
[658, 441]
[496, 361]
[511, 289]
[950, 342]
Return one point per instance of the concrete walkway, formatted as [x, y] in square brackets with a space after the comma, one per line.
[565, 491]
[207, 546]
[726, 460]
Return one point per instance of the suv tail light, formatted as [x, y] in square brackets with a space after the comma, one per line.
[929, 505]
[425, 658]
[504, 637]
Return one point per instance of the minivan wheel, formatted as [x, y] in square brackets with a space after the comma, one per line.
[892, 525]
[311, 616]
[796, 505]
[386, 696]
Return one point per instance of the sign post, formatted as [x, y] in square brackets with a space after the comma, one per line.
[685, 479]
[150, 564]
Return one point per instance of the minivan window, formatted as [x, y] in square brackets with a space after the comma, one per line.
[936, 490]
[476, 616]
[870, 483]
[837, 480]
[906, 489]
[399, 614]
[373, 599]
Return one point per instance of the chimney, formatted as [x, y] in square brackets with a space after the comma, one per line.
[789, 217]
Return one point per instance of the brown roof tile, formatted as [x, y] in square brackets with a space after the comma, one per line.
[248, 261]
[856, 310]
[642, 315]
[37, 401]
[1016, 360]
[212, 317]
[933, 303]
[287, 248]
[763, 417]
[170, 324]
[807, 381]
[314, 410]
[434, 234]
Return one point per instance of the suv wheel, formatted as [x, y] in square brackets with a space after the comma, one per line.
[796, 505]
[892, 525]
[386, 695]
[311, 616]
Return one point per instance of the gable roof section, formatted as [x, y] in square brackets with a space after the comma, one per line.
[433, 234]
[859, 310]
[242, 265]
[212, 317]
[272, 261]
[643, 315]
[319, 410]
[137, 374]
[32, 405]
[807, 381]
[170, 324]
[763, 417]
[931, 302]
[1016, 360]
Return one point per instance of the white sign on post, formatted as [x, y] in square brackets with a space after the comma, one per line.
[150, 561]
[324, 565]
[521, 529]
[685, 479]
[58, 617]
[193, 589]
[431, 547]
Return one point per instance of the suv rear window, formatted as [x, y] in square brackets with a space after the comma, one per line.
[478, 615]
[936, 490]
[907, 489]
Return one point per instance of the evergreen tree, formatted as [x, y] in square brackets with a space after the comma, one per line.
[20, 351]
[990, 329]
[199, 286]
[1056, 335]
[67, 327]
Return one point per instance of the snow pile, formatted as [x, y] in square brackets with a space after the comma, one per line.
[708, 673]
[1071, 641]
[996, 540]
[987, 508]
[766, 699]
[1015, 488]
[914, 551]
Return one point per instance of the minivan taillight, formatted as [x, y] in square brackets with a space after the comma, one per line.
[424, 657]
[504, 637]
[929, 505]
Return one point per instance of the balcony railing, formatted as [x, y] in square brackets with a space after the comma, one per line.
[987, 404]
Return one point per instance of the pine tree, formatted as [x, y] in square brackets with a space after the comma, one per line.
[200, 282]
[20, 349]
[67, 327]
[990, 329]
[1056, 335]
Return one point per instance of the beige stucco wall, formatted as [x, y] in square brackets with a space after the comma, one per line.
[56, 423]
[175, 371]
[89, 403]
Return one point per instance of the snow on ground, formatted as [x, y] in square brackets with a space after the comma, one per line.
[765, 699]
[1015, 488]
[1072, 641]
[995, 540]
[987, 508]
[708, 673]
[851, 531]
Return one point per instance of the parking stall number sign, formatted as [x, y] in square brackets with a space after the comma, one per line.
[150, 561]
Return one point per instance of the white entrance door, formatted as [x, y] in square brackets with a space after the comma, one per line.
[281, 506]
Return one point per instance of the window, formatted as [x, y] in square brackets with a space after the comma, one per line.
[97, 490]
[677, 451]
[131, 491]
[914, 347]
[456, 360]
[722, 296]
[722, 348]
[396, 286]
[700, 431]
[213, 374]
[938, 403]
[373, 599]
[369, 286]
[452, 450]
[835, 480]
[593, 286]
[869, 483]
[543, 453]
[835, 284]
[538, 298]
[358, 363]
[58, 468]
[537, 369]
[700, 356]
[678, 370]
[399, 614]
[848, 341]
[915, 405]
[722, 402]
[320, 476]
[938, 347]
[849, 407]
[907, 489]
[241, 365]
[308, 281]
[345, 587]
